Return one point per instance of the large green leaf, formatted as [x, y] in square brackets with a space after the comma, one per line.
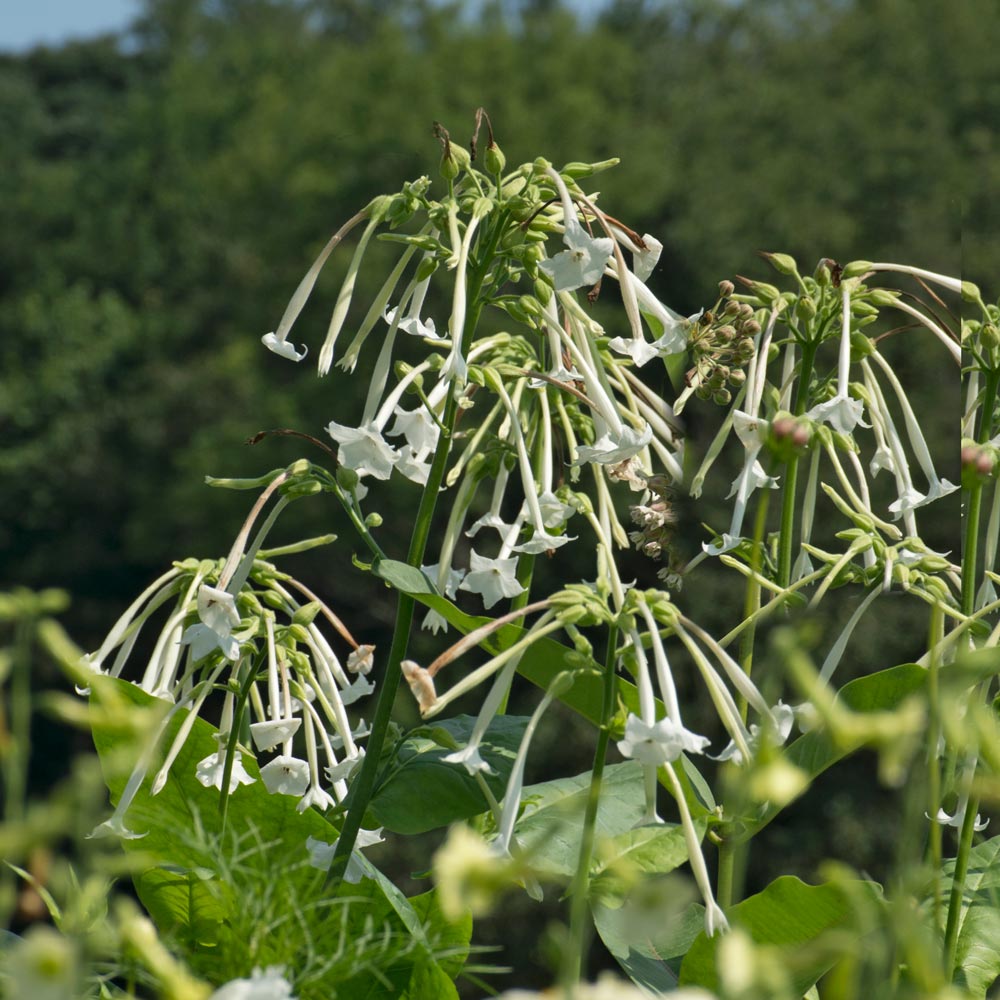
[791, 916]
[648, 935]
[978, 951]
[422, 792]
[816, 751]
[551, 822]
[190, 880]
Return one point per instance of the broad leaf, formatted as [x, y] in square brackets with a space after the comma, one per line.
[422, 792]
[816, 751]
[191, 882]
[791, 916]
[978, 952]
[551, 822]
[649, 935]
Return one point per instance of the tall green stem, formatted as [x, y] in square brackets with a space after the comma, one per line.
[579, 926]
[969, 572]
[787, 531]
[364, 785]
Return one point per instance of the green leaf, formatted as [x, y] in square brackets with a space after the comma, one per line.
[449, 938]
[789, 915]
[816, 751]
[403, 576]
[978, 950]
[649, 935]
[645, 850]
[186, 903]
[551, 822]
[189, 879]
[422, 792]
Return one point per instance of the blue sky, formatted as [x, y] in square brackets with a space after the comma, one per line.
[24, 23]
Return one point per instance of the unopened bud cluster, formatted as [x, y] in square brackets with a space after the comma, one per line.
[722, 344]
[655, 519]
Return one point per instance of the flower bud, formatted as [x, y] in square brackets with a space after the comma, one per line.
[805, 309]
[723, 397]
[426, 267]
[373, 520]
[970, 292]
[781, 262]
[347, 479]
[542, 291]
[306, 614]
[763, 291]
[578, 170]
[989, 337]
[859, 308]
[822, 273]
[856, 268]
[726, 288]
[493, 159]
[883, 297]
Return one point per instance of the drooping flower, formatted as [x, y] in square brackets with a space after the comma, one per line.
[582, 262]
[211, 769]
[660, 742]
[492, 579]
[613, 448]
[363, 449]
[321, 854]
[218, 614]
[285, 775]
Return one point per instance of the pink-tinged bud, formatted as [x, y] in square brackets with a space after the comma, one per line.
[726, 288]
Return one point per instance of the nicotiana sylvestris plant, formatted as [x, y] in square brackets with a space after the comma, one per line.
[551, 437]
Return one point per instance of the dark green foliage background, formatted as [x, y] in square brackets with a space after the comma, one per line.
[161, 194]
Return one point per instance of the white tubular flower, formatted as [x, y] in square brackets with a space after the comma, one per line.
[211, 769]
[512, 798]
[842, 412]
[612, 448]
[414, 325]
[659, 743]
[268, 985]
[266, 735]
[286, 775]
[283, 348]
[363, 449]
[469, 756]
[278, 340]
[321, 854]
[218, 614]
[492, 579]
[937, 487]
[582, 262]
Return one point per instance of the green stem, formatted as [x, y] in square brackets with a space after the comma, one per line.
[933, 761]
[787, 530]
[234, 731]
[725, 889]
[969, 572]
[363, 786]
[579, 927]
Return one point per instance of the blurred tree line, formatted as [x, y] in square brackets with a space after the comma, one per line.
[162, 193]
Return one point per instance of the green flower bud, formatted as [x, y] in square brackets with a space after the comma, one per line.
[494, 159]
[306, 614]
[856, 268]
[723, 397]
[989, 337]
[763, 291]
[970, 292]
[530, 305]
[737, 377]
[426, 267]
[859, 308]
[347, 479]
[578, 170]
[373, 520]
[822, 274]
[883, 297]
[543, 291]
[781, 262]
[861, 346]
[297, 632]
[805, 309]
